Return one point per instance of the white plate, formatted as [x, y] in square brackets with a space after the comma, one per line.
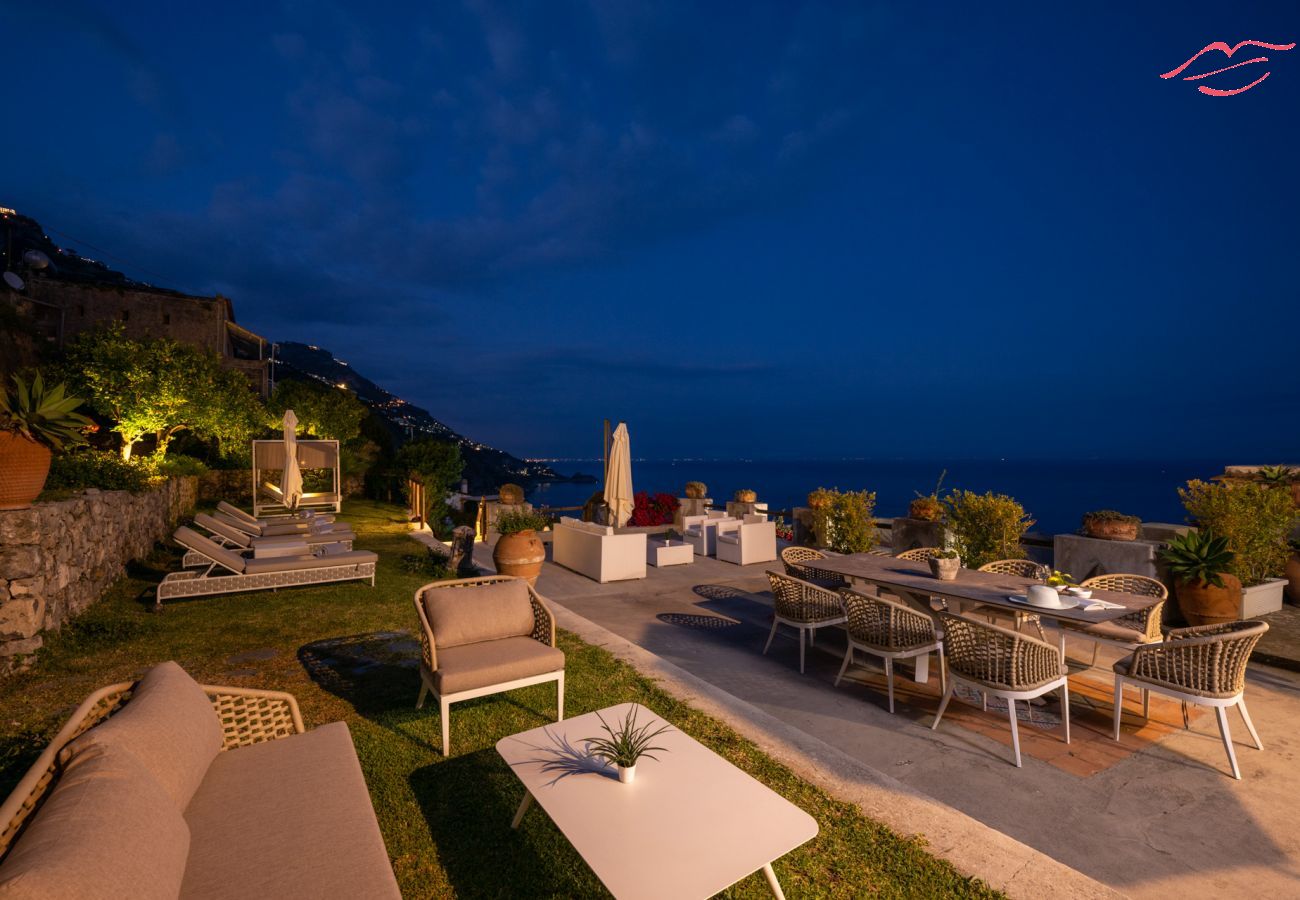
[1066, 602]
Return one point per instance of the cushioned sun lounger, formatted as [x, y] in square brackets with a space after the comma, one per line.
[308, 515]
[244, 544]
[341, 530]
[229, 573]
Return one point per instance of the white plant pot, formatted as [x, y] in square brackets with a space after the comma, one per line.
[627, 774]
[1262, 599]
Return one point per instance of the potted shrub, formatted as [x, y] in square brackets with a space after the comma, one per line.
[845, 521]
[928, 507]
[34, 421]
[696, 490]
[520, 551]
[945, 564]
[1110, 525]
[745, 495]
[626, 743]
[1256, 520]
[511, 494]
[1199, 563]
[985, 527]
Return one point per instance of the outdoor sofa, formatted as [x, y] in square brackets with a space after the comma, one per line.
[165, 788]
[597, 552]
[228, 573]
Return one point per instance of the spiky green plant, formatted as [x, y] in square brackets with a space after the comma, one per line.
[45, 415]
[1198, 556]
[1276, 475]
[627, 742]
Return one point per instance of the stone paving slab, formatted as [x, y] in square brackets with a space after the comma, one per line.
[1280, 647]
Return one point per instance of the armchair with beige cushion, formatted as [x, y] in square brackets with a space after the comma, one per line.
[1133, 630]
[481, 636]
[804, 607]
[597, 551]
[801, 563]
[168, 788]
[890, 630]
[751, 541]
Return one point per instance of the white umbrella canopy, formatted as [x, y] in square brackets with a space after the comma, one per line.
[618, 477]
[291, 478]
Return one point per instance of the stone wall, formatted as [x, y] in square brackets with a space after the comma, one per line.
[58, 558]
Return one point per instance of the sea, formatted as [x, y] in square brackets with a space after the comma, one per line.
[1056, 493]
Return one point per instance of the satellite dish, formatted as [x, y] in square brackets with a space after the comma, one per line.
[36, 259]
[14, 281]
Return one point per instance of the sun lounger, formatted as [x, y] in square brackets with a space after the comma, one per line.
[229, 573]
[306, 515]
[244, 544]
[340, 530]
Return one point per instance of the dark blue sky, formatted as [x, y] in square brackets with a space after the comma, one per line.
[764, 230]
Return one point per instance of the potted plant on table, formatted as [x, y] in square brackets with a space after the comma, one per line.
[626, 743]
[1110, 525]
[1199, 563]
[945, 564]
[35, 420]
[520, 551]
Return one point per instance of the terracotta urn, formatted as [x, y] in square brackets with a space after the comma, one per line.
[511, 494]
[24, 466]
[1204, 604]
[1292, 573]
[1111, 529]
[945, 569]
[520, 554]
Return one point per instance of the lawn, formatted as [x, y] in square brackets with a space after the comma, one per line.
[347, 653]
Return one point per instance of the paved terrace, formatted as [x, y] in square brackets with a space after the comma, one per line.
[1151, 816]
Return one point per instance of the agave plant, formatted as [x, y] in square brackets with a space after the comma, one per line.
[45, 415]
[626, 743]
[1198, 556]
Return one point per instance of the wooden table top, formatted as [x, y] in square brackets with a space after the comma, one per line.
[973, 586]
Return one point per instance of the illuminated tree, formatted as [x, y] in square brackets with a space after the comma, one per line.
[322, 411]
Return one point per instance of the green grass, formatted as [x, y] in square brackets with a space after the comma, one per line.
[446, 821]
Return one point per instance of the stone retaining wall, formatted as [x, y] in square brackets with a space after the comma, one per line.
[58, 558]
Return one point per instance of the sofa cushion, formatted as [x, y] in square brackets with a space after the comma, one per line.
[284, 563]
[481, 612]
[107, 830]
[472, 666]
[287, 818]
[587, 527]
[171, 727]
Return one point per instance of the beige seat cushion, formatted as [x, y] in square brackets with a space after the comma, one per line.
[482, 612]
[287, 818]
[171, 727]
[472, 666]
[290, 563]
[1113, 631]
[108, 831]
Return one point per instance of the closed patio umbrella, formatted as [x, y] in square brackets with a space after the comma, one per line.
[618, 477]
[291, 478]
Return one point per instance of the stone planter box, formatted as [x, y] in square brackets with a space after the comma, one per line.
[908, 534]
[1084, 557]
[690, 506]
[1262, 599]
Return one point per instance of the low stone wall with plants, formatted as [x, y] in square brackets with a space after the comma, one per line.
[58, 557]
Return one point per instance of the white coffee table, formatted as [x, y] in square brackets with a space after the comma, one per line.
[691, 825]
[668, 553]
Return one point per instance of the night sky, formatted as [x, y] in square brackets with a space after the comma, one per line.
[758, 230]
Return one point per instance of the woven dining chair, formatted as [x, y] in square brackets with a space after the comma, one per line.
[803, 606]
[1204, 665]
[999, 662]
[890, 630]
[1021, 568]
[1132, 630]
[799, 563]
[917, 554]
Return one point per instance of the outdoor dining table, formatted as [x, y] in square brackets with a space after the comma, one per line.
[689, 826]
[913, 582]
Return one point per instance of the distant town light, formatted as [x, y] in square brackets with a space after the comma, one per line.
[6, 211]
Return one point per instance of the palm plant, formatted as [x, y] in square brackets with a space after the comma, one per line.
[42, 414]
[627, 742]
[1198, 557]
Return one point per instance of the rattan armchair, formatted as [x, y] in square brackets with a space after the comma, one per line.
[918, 554]
[1134, 629]
[804, 606]
[890, 630]
[800, 562]
[248, 716]
[1003, 663]
[1021, 568]
[1204, 665]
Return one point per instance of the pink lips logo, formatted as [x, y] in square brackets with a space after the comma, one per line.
[1227, 51]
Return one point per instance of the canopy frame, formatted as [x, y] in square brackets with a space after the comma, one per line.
[268, 456]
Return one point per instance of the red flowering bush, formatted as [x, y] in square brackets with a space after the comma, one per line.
[657, 510]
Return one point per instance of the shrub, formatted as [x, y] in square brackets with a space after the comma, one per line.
[659, 509]
[845, 520]
[513, 521]
[430, 564]
[1255, 519]
[90, 469]
[985, 527]
[170, 466]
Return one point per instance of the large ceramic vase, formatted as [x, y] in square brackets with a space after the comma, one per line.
[1204, 604]
[1293, 578]
[24, 466]
[520, 554]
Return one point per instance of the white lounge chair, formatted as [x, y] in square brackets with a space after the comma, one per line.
[753, 541]
[230, 537]
[230, 573]
[308, 515]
